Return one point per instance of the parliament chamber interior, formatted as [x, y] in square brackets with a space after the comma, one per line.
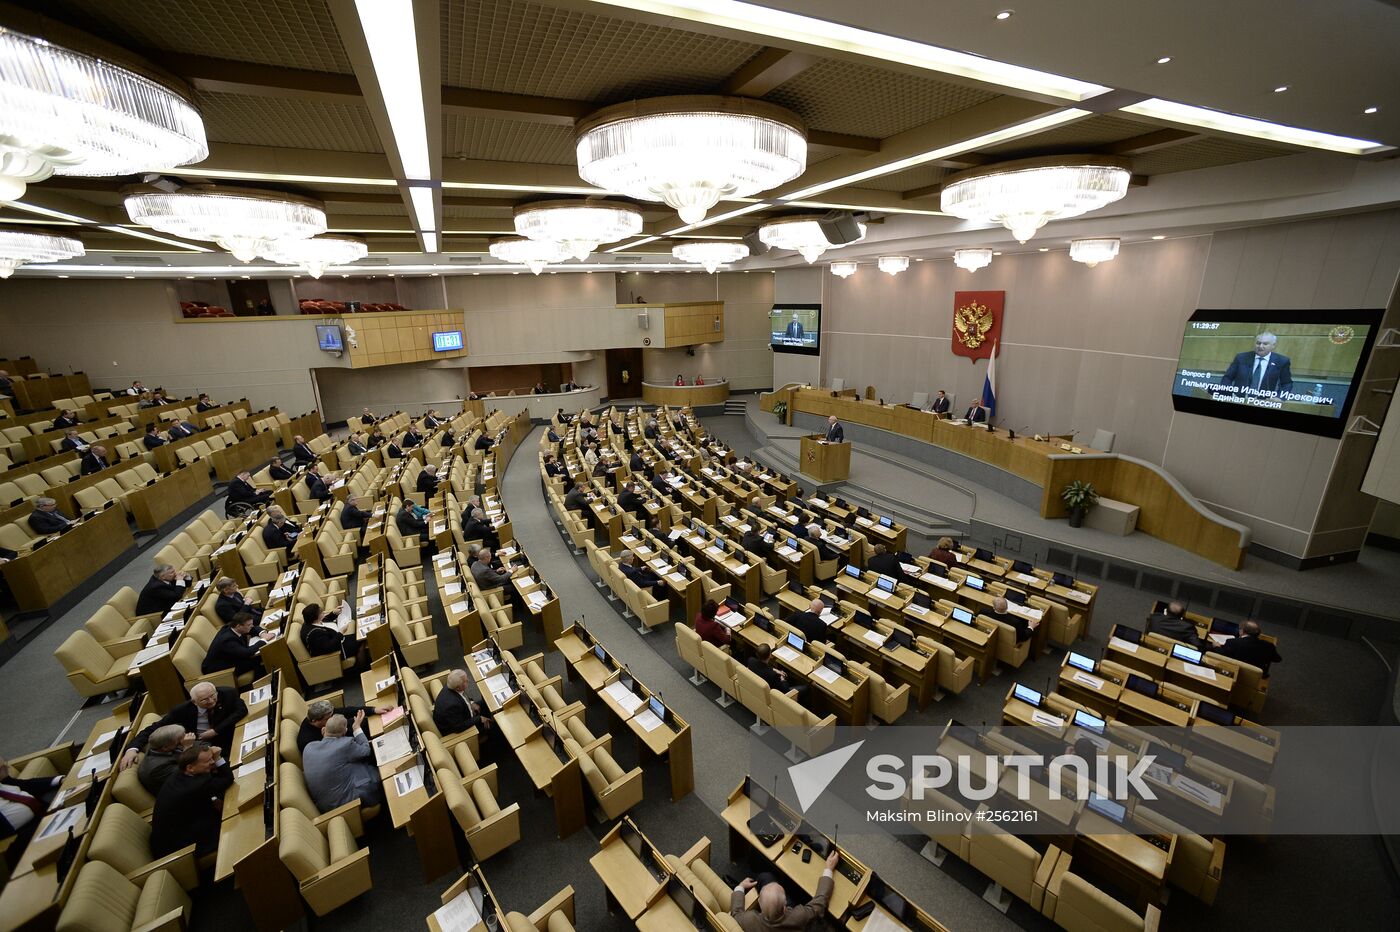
[692, 464]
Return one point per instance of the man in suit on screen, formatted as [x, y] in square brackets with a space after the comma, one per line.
[1262, 370]
[794, 330]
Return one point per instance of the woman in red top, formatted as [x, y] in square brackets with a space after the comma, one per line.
[943, 553]
[709, 629]
[680, 380]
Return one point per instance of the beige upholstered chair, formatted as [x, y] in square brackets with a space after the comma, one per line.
[323, 856]
[103, 899]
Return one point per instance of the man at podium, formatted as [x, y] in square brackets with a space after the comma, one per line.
[835, 433]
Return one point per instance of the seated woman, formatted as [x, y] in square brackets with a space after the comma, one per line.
[320, 634]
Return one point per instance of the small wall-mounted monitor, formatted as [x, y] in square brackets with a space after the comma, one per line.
[328, 338]
[447, 340]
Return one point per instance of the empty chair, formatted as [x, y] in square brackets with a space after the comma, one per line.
[1014, 867]
[887, 702]
[329, 866]
[90, 667]
[920, 400]
[614, 789]
[1079, 906]
[802, 728]
[489, 829]
[104, 899]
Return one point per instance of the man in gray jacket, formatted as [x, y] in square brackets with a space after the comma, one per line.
[341, 769]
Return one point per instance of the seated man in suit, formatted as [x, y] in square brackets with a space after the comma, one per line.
[393, 451]
[641, 576]
[137, 388]
[152, 438]
[95, 460]
[71, 441]
[825, 551]
[483, 442]
[302, 454]
[23, 803]
[47, 519]
[773, 911]
[1250, 648]
[453, 711]
[448, 438]
[203, 403]
[761, 663]
[427, 481]
[976, 413]
[66, 418]
[538, 389]
[319, 711]
[277, 470]
[476, 527]
[652, 430]
[940, 404]
[234, 646]
[356, 445]
[178, 430]
[1262, 370]
[279, 533]
[635, 463]
[431, 420]
[754, 542]
[1174, 624]
[340, 769]
[487, 576]
[231, 601]
[376, 438]
[411, 437]
[162, 758]
[411, 523]
[241, 491]
[212, 714]
[315, 485]
[576, 499]
[630, 500]
[162, 590]
[1001, 612]
[887, 564]
[810, 622]
[352, 516]
[553, 435]
[189, 809]
[367, 417]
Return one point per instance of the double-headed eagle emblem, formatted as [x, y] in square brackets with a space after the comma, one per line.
[972, 322]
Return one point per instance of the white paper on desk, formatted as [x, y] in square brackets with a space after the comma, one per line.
[648, 720]
[369, 600]
[1093, 682]
[255, 728]
[916, 609]
[258, 696]
[164, 629]
[786, 653]
[878, 593]
[505, 553]
[825, 674]
[537, 598]
[677, 578]
[874, 637]
[784, 551]
[281, 592]
[714, 551]
[817, 502]
[624, 697]
[1205, 673]
[443, 558]
[60, 822]
[941, 582]
[1219, 639]
[383, 684]
[182, 605]
[447, 572]
[1025, 577]
[829, 617]
[93, 764]
[661, 565]
[864, 522]
[337, 484]
[459, 607]
[497, 683]
[675, 533]
[459, 914]
[271, 618]
[628, 539]
[834, 541]
[408, 781]
[391, 746]
[1121, 644]
[104, 739]
[743, 568]
[250, 745]
[1200, 791]
[1077, 595]
[249, 769]
[439, 527]
[147, 654]
[1045, 718]
[451, 588]
[483, 656]
[774, 509]
[1024, 612]
[290, 575]
[369, 621]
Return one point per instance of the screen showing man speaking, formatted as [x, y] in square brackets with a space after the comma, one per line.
[795, 328]
[1296, 370]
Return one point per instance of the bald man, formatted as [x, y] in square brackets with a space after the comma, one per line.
[772, 911]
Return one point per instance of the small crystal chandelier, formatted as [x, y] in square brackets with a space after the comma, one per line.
[17, 249]
[690, 152]
[710, 254]
[245, 221]
[534, 254]
[93, 113]
[892, 265]
[318, 252]
[578, 226]
[800, 234]
[844, 268]
[972, 259]
[1024, 195]
[1093, 251]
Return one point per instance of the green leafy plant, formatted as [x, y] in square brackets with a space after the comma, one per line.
[1079, 495]
[780, 410]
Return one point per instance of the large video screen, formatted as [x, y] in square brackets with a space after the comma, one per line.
[796, 328]
[1297, 370]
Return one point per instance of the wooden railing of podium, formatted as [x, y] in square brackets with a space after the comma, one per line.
[1167, 512]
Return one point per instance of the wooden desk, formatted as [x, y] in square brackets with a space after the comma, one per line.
[42, 576]
[825, 462]
[629, 885]
[711, 393]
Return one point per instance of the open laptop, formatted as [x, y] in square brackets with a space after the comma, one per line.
[963, 615]
[1026, 694]
[1140, 684]
[1080, 662]
[1187, 654]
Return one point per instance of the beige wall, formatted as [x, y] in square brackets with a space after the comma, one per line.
[799, 285]
[742, 357]
[413, 388]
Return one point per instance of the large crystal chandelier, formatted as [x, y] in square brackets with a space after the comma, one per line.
[245, 221]
[1024, 195]
[578, 226]
[691, 151]
[892, 265]
[844, 268]
[77, 106]
[16, 249]
[317, 253]
[972, 259]
[534, 254]
[710, 254]
[1093, 251]
[800, 234]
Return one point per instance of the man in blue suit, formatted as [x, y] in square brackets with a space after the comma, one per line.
[1262, 370]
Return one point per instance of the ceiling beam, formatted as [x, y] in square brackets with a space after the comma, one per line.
[523, 108]
[928, 190]
[222, 76]
[769, 69]
[1150, 142]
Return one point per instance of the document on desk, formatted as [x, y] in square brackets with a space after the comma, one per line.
[677, 578]
[384, 684]
[676, 532]
[103, 740]
[624, 697]
[391, 746]
[1218, 639]
[1078, 596]
[648, 720]
[60, 822]
[829, 617]
[1093, 682]
[369, 600]
[93, 764]
[370, 622]
[497, 684]
[916, 609]
[281, 592]
[1205, 673]
[147, 654]
[1045, 718]
[825, 674]
[255, 728]
[878, 593]
[443, 558]
[784, 551]
[290, 575]
[1025, 578]
[272, 618]
[1197, 791]
[660, 565]
[249, 769]
[408, 781]
[538, 599]
[786, 653]
[251, 745]
[447, 571]
[864, 522]
[816, 502]
[258, 696]
[881, 921]
[458, 608]
[1121, 644]
[439, 527]
[505, 553]
[941, 582]
[714, 551]
[874, 637]
[485, 658]
[451, 588]
[775, 510]
[459, 914]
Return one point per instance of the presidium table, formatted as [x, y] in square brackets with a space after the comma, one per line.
[823, 460]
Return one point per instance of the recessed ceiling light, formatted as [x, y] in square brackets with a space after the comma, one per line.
[1044, 248]
[996, 253]
[1006, 14]
[190, 277]
[1370, 110]
[246, 276]
[129, 276]
[1159, 236]
[1165, 59]
[63, 276]
[1281, 88]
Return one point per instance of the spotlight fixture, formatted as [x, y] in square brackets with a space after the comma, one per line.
[578, 226]
[1024, 195]
[844, 268]
[1093, 251]
[972, 259]
[1164, 60]
[1004, 15]
[892, 265]
[710, 254]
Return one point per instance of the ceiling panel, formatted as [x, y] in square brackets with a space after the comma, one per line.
[471, 137]
[1084, 135]
[476, 213]
[848, 97]
[288, 123]
[350, 208]
[907, 180]
[1205, 153]
[287, 33]
[528, 48]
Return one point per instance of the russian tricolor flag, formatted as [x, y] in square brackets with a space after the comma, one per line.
[989, 387]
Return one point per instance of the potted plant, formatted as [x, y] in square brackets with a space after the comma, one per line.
[780, 411]
[1079, 497]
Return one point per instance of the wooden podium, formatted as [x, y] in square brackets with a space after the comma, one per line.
[825, 462]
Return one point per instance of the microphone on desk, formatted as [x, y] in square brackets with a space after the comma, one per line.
[991, 428]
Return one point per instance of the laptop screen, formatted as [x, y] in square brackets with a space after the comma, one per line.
[1021, 566]
[792, 542]
[1079, 660]
[1131, 635]
[1015, 595]
[937, 569]
[1141, 685]
[976, 582]
[963, 615]
[886, 522]
[1188, 654]
[885, 583]
[795, 642]
[658, 708]
[600, 653]
[901, 638]
[834, 664]
[923, 600]
[1114, 812]
[852, 571]
[1172, 760]
[1085, 720]
[1026, 694]
[1064, 579]
[1213, 713]
[1227, 628]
